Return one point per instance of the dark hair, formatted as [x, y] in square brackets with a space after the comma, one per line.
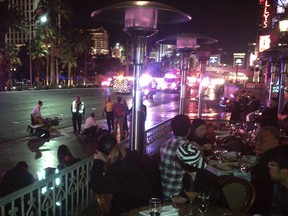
[272, 130]
[105, 143]
[40, 102]
[92, 115]
[119, 99]
[279, 155]
[63, 151]
[196, 123]
[22, 164]
[180, 125]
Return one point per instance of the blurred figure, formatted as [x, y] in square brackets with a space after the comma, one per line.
[16, 178]
[266, 139]
[119, 114]
[269, 115]
[283, 115]
[198, 134]
[171, 172]
[36, 116]
[77, 110]
[236, 108]
[278, 170]
[125, 122]
[108, 110]
[115, 173]
[90, 126]
[65, 157]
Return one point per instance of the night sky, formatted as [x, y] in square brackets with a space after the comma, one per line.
[234, 23]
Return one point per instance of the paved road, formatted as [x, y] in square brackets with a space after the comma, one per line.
[41, 153]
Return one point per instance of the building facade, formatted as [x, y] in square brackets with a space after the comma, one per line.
[100, 40]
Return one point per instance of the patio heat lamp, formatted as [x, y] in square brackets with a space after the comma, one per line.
[140, 19]
[186, 43]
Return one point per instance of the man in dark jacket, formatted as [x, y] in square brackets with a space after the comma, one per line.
[266, 140]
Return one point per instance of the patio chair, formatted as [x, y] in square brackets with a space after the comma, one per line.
[239, 193]
[104, 202]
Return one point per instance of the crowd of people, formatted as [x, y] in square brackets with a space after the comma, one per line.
[133, 178]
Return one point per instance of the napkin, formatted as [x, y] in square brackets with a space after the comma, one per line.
[166, 211]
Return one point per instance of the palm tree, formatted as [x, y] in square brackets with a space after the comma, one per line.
[9, 18]
[11, 58]
[76, 43]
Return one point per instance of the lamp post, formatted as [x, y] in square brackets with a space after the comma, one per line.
[186, 43]
[140, 19]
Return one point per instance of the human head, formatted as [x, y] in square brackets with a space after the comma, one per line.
[198, 128]
[273, 102]
[63, 152]
[78, 98]
[108, 145]
[190, 158]
[266, 139]
[108, 99]
[92, 115]
[180, 125]
[22, 165]
[119, 99]
[40, 103]
[278, 163]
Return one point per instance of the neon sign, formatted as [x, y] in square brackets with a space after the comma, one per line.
[266, 14]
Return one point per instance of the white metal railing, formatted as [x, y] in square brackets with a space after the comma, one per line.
[64, 193]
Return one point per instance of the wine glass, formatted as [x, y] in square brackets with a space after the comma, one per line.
[155, 207]
[203, 202]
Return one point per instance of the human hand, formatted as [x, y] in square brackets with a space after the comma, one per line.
[100, 156]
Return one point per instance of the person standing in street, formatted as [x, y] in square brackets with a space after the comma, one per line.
[119, 114]
[108, 109]
[77, 110]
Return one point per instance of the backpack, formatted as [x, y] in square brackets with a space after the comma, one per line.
[119, 110]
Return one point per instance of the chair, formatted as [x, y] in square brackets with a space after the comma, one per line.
[104, 202]
[239, 193]
[232, 143]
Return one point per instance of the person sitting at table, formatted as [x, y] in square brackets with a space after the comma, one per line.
[171, 172]
[266, 139]
[198, 178]
[114, 172]
[278, 170]
[198, 134]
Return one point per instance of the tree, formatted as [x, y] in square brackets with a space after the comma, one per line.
[9, 18]
[11, 59]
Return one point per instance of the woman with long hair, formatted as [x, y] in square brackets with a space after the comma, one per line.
[114, 172]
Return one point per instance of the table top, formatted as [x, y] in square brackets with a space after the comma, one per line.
[185, 209]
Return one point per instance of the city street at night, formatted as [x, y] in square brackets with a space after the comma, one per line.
[16, 144]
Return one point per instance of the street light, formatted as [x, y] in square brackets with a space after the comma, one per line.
[186, 43]
[140, 19]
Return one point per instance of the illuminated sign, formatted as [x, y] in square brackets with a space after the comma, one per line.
[264, 42]
[281, 5]
[239, 59]
[266, 14]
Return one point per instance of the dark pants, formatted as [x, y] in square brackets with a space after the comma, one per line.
[90, 131]
[77, 121]
[110, 120]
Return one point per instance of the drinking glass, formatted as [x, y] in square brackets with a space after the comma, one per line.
[203, 202]
[155, 207]
[191, 194]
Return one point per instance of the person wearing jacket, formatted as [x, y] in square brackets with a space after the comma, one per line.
[77, 110]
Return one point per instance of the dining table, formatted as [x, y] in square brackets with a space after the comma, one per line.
[184, 209]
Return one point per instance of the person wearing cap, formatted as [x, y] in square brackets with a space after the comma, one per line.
[115, 172]
[198, 134]
[171, 172]
[77, 110]
[196, 177]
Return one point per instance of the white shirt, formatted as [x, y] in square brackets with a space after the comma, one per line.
[89, 123]
[36, 111]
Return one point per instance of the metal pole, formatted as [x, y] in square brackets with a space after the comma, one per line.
[30, 57]
[271, 82]
[281, 87]
[184, 56]
[137, 131]
[202, 71]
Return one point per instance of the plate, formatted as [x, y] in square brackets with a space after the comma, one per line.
[166, 211]
[228, 166]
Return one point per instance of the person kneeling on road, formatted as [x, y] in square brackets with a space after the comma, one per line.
[90, 126]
